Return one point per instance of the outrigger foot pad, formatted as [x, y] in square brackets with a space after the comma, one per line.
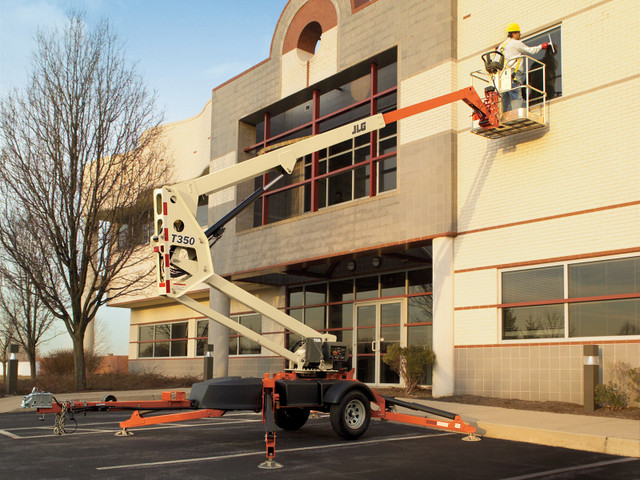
[124, 433]
[471, 438]
[270, 464]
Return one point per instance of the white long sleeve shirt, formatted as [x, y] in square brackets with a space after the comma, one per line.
[511, 48]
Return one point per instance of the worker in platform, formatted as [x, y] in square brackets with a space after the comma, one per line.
[511, 48]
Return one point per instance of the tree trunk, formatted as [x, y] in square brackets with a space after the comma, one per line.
[78, 357]
[32, 364]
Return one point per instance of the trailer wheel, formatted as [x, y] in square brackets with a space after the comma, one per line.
[108, 398]
[291, 418]
[350, 418]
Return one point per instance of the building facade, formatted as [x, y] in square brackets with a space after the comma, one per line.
[506, 256]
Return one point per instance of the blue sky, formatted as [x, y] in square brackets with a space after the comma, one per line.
[183, 49]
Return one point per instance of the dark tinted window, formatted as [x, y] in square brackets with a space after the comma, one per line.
[609, 277]
[552, 58]
[611, 317]
[545, 321]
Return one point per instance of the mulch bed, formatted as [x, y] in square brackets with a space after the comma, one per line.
[554, 407]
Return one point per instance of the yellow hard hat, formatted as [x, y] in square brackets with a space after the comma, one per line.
[513, 27]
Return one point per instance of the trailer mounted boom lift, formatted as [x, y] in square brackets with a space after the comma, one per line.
[319, 377]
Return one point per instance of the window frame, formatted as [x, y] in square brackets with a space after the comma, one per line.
[199, 338]
[310, 179]
[171, 341]
[299, 311]
[529, 42]
[237, 338]
[566, 302]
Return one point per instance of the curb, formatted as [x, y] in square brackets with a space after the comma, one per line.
[625, 447]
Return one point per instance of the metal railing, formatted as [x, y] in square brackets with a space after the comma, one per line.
[531, 67]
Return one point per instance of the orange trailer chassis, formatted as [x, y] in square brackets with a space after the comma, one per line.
[146, 412]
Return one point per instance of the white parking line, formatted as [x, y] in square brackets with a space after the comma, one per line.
[82, 430]
[261, 452]
[571, 469]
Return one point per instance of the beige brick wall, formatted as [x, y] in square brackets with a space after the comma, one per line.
[485, 25]
[547, 195]
[601, 231]
[325, 61]
[587, 159]
[434, 82]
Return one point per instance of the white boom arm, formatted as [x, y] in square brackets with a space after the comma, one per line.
[182, 247]
[181, 244]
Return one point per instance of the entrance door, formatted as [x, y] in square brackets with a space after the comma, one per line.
[377, 326]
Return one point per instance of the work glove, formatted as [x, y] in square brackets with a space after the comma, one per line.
[545, 45]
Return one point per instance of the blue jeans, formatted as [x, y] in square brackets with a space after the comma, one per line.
[512, 99]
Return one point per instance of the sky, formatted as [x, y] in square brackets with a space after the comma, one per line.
[182, 48]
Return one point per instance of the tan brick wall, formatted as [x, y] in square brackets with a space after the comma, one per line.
[533, 372]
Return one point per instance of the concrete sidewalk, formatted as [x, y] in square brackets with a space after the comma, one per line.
[613, 436]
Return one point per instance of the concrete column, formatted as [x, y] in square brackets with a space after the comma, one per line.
[444, 368]
[90, 336]
[219, 334]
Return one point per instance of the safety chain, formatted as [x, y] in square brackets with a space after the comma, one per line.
[59, 426]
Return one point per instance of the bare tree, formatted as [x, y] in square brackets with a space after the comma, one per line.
[80, 155]
[27, 317]
[6, 335]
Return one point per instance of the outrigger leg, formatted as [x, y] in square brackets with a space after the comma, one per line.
[269, 397]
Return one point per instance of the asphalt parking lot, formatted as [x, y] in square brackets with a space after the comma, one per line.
[232, 447]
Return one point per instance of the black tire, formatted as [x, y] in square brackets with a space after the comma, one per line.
[350, 418]
[291, 418]
[106, 399]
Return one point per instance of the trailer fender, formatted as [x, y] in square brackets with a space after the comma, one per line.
[339, 389]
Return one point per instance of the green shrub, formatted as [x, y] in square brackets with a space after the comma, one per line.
[611, 396]
[410, 363]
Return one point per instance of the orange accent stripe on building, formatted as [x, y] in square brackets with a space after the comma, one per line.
[200, 357]
[541, 261]
[549, 343]
[552, 217]
[560, 301]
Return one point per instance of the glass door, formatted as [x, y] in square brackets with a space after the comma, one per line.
[378, 325]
